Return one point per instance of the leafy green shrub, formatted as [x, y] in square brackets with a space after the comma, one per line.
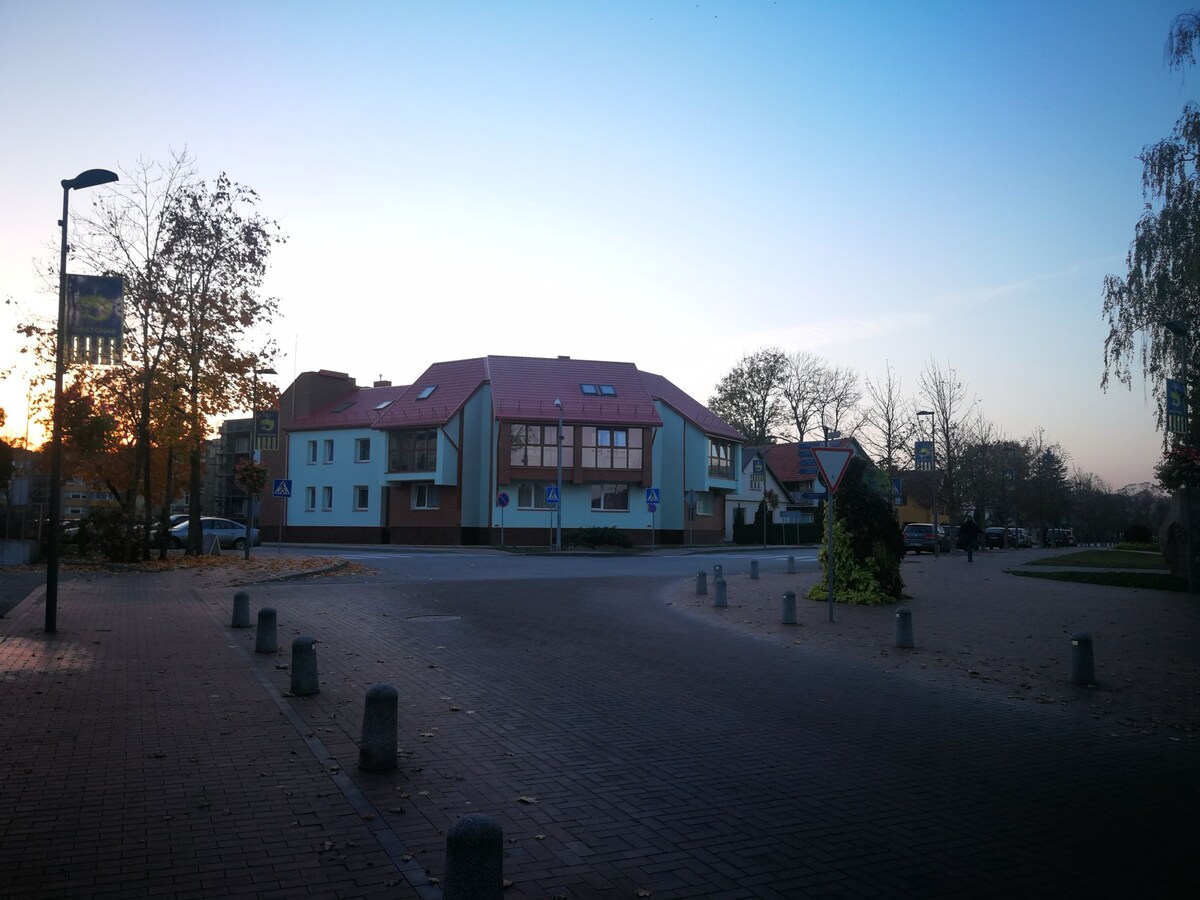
[104, 530]
[597, 537]
[867, 542]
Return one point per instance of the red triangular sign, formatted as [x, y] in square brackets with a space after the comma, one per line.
[832, 462]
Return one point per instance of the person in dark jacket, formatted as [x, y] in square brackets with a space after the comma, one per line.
[968, 537]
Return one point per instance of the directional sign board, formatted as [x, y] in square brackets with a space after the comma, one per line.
[282, 487]
[833, 462]
[552, 494]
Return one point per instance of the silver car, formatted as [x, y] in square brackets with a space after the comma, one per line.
[228, 533]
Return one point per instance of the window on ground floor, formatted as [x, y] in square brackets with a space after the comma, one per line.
[704, 503]
[326, 498]
[310, 498]
[610, 497]
[362, 497]
[424, 496]
[532, 495]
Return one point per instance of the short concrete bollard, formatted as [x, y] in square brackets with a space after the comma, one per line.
[754, 570]
[377, 752]
[1083, 670]
[791, 565]
[701, 583]
[474, 859]
[718, 573]
[789, 608]
[721, 600]
[241, 610]
[265, 639]
[304, 667]
[904, 628]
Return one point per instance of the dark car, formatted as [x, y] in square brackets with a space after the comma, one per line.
[993, 538]
[1060, 537]
[919, 537]
[227, 533]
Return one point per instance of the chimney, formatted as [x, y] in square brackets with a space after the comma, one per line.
[382, 384]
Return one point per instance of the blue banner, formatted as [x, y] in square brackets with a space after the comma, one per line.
[1177, 420]
[95, 319]
[923, 456]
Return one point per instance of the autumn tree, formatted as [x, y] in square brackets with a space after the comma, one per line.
[749, 399]
[217, 249]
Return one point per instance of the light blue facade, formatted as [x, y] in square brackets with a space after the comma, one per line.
[342, 475]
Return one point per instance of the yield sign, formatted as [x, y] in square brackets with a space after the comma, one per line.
[833, 462]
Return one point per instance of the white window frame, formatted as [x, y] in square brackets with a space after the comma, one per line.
[362, 450]
[311, 449]
[604, 492]
[538, 496]
[704, 503]
[328, 457]
[327, 498]
[310, 496]
[361, 493]
[427, 490]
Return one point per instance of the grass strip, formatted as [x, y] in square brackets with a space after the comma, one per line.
[1154, 581]
[1104, 559]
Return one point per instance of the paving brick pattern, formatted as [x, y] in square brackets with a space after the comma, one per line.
[626, 750]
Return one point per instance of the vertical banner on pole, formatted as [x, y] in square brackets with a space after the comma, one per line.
[95, 319]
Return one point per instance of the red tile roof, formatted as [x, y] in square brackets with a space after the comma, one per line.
[690, 409]
[784, 459]
[525, 388]
[354, 409]
[437, 395]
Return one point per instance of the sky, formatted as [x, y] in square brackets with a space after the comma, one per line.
[673, 184]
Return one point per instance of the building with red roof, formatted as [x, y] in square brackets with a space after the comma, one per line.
[472, 447]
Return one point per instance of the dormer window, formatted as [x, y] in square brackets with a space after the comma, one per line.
[426, 391]
[598, 390]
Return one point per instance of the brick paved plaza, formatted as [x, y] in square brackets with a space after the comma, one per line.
[628, 745]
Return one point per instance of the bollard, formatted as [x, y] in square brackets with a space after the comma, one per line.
[241, 610]
[377, 752]
[791, 565]
[904, 628]
[701, 583]
[721, 600]
[265, 640]
[474, 859]
[718, 573]
[304, 667]
[754, 570]
[789, 608]
[1083, 670]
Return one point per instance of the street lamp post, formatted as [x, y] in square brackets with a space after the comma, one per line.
[1183, 333]
[933, 471]
[558, 506]
[255, 454]
[89, 178]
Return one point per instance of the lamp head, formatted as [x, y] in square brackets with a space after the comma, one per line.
[558, 402]
[90, 178]
[1177, 328]
[925, 412]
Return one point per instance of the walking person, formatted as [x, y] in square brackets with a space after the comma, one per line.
[968, 536]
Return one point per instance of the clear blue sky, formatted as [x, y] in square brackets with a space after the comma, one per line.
[667, 183]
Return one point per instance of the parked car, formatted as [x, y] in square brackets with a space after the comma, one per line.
[1060, 537]
[993, 538]
[919, 537]
[228, 533]
[171, 523]
[1023, 538]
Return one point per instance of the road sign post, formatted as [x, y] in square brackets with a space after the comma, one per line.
[833, 462]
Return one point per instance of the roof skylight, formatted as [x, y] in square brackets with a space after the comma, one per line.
[425, 392]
